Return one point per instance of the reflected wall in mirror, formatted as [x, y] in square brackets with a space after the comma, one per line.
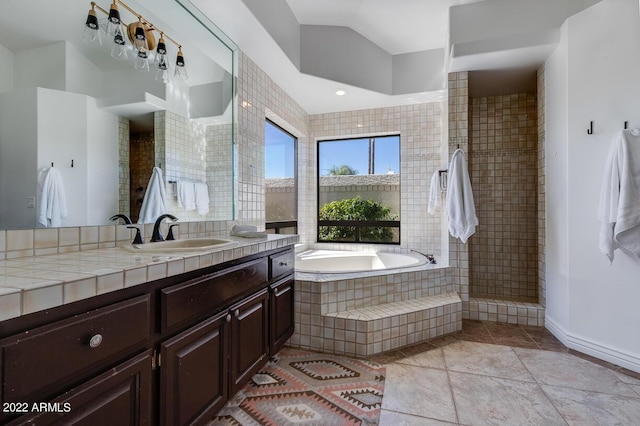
[64, 101]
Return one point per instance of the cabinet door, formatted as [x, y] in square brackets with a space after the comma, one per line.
[249, 338]
[121, 396]
[281, 313]
[194, 373]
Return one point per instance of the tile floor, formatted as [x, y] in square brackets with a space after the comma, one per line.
[501, 374]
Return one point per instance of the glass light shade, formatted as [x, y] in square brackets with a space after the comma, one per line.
[141, 63]
[140, 39]
[119, 48]
[163, 76]
[113, 21]
[180, 71]
[91, 34]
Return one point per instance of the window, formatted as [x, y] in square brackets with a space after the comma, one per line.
[359, 190]
[281, 190]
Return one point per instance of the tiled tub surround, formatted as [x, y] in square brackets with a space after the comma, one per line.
[364, 315]
[31, 284]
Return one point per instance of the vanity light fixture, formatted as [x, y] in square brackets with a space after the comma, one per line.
[141, 36]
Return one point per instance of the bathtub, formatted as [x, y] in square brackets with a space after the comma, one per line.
[351, 262]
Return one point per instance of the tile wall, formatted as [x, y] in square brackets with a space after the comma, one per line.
[458, 137]
[542, 267]
[141, 163]
[419, 127]
[123, 165]
[503, 254]
[483, 308]
[259, 97]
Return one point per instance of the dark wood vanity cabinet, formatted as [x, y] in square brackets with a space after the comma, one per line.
[281, 309]
[170, 352]
[250, 338]
[193, 374]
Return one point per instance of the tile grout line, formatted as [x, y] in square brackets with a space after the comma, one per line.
[540, 387]
[453, 397]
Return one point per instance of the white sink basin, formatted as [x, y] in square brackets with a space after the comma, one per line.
[191, 244]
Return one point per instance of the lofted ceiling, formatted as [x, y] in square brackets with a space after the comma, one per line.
[505, 39]
[400, 26]
[511, 37]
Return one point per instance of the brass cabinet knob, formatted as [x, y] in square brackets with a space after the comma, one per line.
[228, 318]
[237, 313]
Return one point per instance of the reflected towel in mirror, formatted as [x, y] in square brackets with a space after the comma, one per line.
[186, 194]
[202, 198]
[53, 201]
[155, 199]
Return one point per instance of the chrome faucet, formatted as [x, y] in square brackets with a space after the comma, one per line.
[156, 235]
[124, 217]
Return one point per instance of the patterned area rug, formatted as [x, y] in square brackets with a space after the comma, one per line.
[304, 388]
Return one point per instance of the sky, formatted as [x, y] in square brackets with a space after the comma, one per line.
[280, 152]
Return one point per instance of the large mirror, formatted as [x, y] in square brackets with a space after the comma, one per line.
[102, 124]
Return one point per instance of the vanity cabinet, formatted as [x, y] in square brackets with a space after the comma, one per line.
[169, 352]
[250, 338]
[281, 308]
[193, 373]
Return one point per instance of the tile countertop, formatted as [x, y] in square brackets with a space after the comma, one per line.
[32, 284]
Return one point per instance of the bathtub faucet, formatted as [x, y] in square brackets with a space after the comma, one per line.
[431, 259]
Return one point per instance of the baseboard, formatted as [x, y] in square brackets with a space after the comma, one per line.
[589, 347]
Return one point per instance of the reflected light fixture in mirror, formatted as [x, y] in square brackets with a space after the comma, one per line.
[141, 36]
[91, 34]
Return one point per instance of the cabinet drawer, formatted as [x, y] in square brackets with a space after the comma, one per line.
[49, 358]
[189, 301]
[282, 264]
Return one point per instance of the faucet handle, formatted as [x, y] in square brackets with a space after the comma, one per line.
[170, 235]
[138, 238]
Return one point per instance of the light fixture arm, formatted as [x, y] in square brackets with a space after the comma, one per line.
[140, 18]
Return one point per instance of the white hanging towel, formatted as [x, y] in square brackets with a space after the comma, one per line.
[434, 193]
[619, 210]
[186, 193]
[155, 199]
[202, 198]
[460, 206]
[53, 202]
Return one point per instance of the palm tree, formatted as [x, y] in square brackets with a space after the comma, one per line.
[342, 170]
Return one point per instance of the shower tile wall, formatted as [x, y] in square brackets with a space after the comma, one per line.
[503, 162]
[141, 151]
[542, 225]
[458, 137]
[123, 166]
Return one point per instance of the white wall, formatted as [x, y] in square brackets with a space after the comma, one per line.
[6, 70]
[17, 153]
[62, 136]
[102, 163]
[592, 306]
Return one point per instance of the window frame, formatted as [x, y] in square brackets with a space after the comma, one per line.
[358, 224]
[278, 225]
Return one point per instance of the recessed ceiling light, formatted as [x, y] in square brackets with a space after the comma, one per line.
[340, 92]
